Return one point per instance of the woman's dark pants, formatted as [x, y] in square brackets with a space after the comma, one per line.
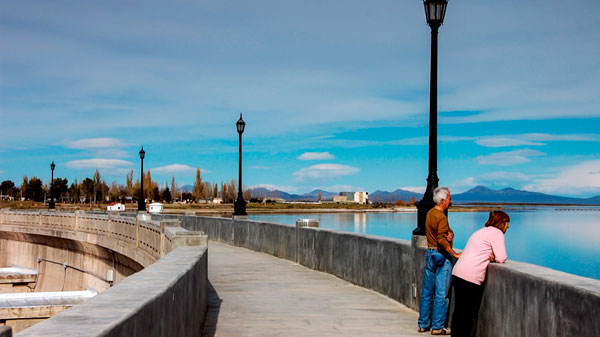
[466, 307]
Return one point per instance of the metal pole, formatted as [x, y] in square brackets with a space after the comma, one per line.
[51, 204]
[142, 202]
[427, 203]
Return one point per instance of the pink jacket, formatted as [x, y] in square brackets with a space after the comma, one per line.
[472, 264]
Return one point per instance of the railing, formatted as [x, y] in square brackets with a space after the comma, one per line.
[146, 240]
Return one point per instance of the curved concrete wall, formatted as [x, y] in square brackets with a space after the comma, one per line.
[520, 299]
[167, 298]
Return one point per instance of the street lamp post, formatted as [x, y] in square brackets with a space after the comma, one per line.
[239, 208]
[435, 10]
[51, 203]
[141, 201]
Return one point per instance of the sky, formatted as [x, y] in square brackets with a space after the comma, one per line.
[335, 94]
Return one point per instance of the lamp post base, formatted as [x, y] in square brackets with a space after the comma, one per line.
[423, 208]
[239, 208]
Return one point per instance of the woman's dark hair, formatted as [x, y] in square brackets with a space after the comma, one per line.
[497, 219]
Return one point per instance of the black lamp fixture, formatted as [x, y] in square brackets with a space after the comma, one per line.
[435, 10]
[51, 204]
[142, 201]
[239, 207]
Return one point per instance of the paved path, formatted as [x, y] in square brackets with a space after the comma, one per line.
[256, 294]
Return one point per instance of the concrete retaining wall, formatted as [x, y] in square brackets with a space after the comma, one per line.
[520, 299]
[168, 298]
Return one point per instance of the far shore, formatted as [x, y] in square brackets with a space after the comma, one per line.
[226, 210]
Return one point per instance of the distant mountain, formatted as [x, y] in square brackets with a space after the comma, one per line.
[511, 195]
[479, 194]
[391, 197]
[259, 192]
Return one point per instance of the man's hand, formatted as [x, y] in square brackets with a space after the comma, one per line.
[457, 255]
[450, 236]
[492, 257]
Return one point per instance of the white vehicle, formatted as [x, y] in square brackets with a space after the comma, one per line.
[156, 207]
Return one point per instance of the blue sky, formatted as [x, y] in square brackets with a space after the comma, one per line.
[335, 94]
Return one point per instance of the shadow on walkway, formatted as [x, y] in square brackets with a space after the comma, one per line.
[212, 312]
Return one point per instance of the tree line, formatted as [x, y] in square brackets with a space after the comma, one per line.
[96, 190]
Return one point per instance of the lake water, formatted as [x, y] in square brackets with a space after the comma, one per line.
[561, 238]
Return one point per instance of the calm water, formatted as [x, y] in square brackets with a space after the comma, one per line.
[567, 239]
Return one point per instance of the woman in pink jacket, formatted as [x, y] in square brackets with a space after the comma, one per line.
[484, 246]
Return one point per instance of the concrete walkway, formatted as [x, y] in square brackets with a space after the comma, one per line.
[255, 294]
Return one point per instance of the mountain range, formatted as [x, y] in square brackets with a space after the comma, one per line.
[479, 194]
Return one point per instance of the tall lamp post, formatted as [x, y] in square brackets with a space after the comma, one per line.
[51, 203]
[435, 10]
[239, 208]
[141, 201]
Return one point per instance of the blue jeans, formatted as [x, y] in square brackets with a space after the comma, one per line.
[436, 281]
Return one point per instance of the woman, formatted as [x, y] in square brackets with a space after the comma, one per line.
[484, 246]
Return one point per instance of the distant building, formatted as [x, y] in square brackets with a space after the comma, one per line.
[115, 207]
[357, 197]
[217, 201]
[340, 198]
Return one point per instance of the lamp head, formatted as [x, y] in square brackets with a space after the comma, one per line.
[240, 125]
[142, 153]
[435, 10]
[52, 166]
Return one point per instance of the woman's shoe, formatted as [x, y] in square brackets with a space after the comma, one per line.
[443, 331]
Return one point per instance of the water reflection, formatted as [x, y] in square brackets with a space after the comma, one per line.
[546, 236]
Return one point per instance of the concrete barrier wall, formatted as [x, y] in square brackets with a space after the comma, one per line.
[166, 299]
[520, 299]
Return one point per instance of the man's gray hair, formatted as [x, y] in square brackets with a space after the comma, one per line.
[440, 194]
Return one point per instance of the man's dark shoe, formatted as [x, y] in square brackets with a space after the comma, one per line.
[423, 329]
[444, 331]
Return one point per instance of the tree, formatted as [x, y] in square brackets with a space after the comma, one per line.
[74, 191]
[412, 201]
[198, 186]
[7, 188]
[24, 187]
[35, 191]
[173, 188]
[129, 182]
[87, 188]
[61, 187]
[114, 191]
[215, 191]
[166, 195]
[148, 186]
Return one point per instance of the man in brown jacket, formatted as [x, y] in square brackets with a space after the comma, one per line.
[438, 265]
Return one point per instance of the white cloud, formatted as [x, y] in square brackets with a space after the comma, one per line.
[416, 189]
[176, 168]
[493, 179]
[288, 189]
[509, 158]
[96, 143]
[323, 172]
[575, 180]
[97, 163]
[316, 156]
[533, 139]
[112, 153]
[505, 141]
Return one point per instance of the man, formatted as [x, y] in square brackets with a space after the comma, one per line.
[438, 265]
